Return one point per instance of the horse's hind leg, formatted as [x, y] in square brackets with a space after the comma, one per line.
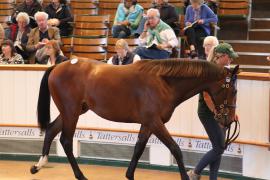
[143, 137]
[66, 140]
[52, 130]
[161, 132]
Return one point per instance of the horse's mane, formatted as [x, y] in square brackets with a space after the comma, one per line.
[180, 68]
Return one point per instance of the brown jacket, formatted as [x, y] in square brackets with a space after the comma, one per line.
[33, 39]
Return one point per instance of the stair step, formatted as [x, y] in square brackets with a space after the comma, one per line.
[260, 8]
[260, 23]
[250, 46]
[259, 34]
[251, 58]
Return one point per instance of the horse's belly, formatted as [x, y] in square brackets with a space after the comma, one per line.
[113, 115]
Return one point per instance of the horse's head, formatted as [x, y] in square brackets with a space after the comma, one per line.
[223, 94]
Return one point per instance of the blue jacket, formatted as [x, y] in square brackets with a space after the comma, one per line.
[134, 17]
[206, 14]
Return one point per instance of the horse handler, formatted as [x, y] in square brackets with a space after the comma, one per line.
[223, 55]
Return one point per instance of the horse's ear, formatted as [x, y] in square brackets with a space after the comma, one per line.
[236, 70]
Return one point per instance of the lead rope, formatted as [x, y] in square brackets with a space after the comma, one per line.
[234, 136]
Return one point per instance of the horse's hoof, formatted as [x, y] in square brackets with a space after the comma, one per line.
[129, 177]
[33, 170]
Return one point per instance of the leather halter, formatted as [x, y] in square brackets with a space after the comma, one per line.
[223, 108]
[223, 111]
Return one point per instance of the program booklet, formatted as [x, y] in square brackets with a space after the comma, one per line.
[191, 25]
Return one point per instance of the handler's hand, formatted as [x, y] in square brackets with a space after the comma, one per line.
[200, 21]
[236, 117]
[188, 23]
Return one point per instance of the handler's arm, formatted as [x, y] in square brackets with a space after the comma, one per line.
[209, 102]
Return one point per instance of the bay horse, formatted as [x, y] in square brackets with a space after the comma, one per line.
[146, 92]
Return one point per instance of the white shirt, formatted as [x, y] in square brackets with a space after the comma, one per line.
[167, 36]
[135, 59]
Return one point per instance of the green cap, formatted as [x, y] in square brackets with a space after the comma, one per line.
[226, 48]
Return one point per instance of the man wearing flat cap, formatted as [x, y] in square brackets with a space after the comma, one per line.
[223, 54]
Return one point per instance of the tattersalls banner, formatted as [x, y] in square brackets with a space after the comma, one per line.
[118, 138]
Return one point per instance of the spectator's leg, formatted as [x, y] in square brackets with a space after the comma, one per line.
[191, 38]
[124, 33]
[151, 53]
[115, 31]
[119, 31]
[140, 28]
[200, 35]
[141, 51]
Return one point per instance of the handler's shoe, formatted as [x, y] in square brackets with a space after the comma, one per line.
[193, 176]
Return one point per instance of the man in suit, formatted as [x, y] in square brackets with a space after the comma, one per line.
[41, 35]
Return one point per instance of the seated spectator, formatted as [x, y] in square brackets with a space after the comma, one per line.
[41, 35]
[157, 39]
[60, 16]
[53, 54]
[197, 21]
[18, 33]
[30, 7]
[268, 58]
[212, 4]
[123, 54]
[127, 19]
[209, 43]
[168, 14]
[9, 55]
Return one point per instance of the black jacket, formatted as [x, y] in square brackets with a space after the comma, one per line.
[30, 10]
[169, 15]
[63, 14]
[128, 59]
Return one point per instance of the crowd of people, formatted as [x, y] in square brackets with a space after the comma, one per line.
[35, 33]
[157, 28]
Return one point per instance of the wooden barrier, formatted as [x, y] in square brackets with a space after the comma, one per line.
[260, 144]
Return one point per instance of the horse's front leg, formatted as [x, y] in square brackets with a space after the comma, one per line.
[161, 132]
[52, 130]
[143, 137]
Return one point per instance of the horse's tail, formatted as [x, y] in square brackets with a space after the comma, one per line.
[44, 100]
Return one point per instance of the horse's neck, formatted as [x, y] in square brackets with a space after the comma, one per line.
[186, 88]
